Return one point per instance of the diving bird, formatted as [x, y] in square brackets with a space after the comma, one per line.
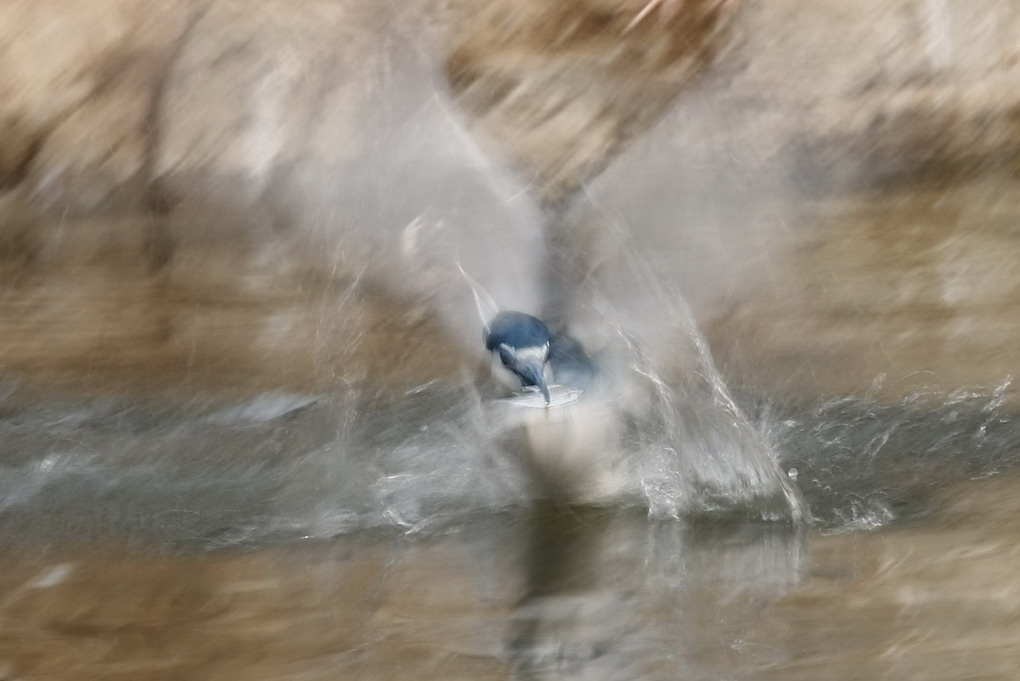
[522, 343]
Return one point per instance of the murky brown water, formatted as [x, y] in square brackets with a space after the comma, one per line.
[557, 594]
[141, 543]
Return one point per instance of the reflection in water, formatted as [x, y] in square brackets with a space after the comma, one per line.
[610, 596]
[181, 542]
[557, 594]
[119, 521]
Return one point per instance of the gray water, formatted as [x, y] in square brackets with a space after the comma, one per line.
[284, 467]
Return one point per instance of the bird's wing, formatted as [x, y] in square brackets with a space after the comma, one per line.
[479, 293]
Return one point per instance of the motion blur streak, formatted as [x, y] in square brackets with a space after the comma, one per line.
[247, 427]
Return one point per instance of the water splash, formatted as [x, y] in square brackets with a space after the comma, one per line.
[862, 463]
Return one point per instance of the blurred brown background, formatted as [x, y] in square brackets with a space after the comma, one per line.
[871, 148]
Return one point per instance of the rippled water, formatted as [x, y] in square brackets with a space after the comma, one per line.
[293, 536]
[284, 466]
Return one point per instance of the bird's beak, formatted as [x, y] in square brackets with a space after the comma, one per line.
[545, 389]
[534, 371]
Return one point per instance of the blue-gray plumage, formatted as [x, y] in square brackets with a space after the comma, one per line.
[569, 362]
[522, 343]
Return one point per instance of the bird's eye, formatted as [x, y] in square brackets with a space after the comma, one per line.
[505, 357]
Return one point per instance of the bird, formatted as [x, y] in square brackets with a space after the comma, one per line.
[522, 344]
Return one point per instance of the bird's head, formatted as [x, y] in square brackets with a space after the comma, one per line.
[522, 343]
[528, 364]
